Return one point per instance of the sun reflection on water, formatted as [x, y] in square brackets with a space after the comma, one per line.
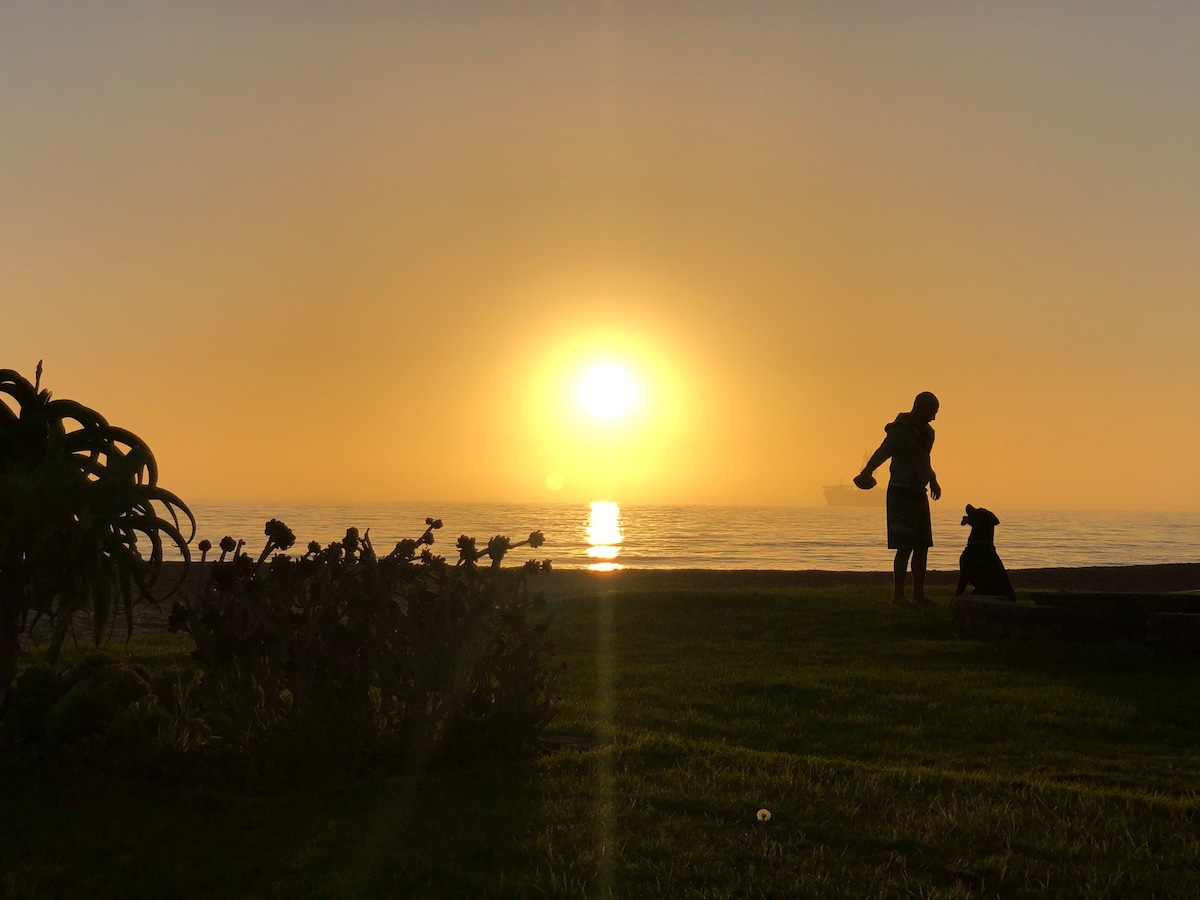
[604, 536]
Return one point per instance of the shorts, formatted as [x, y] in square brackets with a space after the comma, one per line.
[909, 526]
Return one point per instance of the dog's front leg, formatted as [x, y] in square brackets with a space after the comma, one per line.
[1007, 584]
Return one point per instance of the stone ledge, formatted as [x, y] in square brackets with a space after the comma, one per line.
[985, 617]
[1166, 621]
[1108, 616]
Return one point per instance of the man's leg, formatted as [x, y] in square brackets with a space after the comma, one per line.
[899, 570]
[920, 558]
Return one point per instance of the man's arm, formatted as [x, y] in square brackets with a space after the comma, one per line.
[878, 458]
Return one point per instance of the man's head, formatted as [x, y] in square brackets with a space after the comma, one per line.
[925, 407]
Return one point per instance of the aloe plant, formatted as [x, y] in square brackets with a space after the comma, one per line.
[77, 498]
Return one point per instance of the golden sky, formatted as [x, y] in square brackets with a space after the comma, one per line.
[364, 251]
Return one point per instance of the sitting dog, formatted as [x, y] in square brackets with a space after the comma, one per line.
[980, 564]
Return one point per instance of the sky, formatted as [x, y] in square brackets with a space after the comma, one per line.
[365, 251]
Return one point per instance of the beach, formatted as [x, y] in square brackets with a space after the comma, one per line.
[1161, 578]
[1165, 578]
[560, 584]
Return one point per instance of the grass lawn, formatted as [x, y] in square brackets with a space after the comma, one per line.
[895, 761]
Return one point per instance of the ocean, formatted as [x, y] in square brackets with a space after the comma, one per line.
[608, 535]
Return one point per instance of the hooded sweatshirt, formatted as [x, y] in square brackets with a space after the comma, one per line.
[908, 443]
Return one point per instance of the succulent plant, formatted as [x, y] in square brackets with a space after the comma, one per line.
[83, 521]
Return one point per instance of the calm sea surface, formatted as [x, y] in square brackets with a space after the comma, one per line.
[722, 537]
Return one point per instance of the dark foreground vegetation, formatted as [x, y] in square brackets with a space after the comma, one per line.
[894, 761]
[333, 662]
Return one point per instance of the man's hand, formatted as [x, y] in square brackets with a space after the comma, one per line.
[864, 481]
[935, 489]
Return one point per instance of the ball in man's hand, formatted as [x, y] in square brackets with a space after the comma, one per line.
[865, 482]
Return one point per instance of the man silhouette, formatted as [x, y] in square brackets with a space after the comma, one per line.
[908, 442]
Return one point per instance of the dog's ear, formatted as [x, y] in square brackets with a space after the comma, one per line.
[970, 509]
[992, 517]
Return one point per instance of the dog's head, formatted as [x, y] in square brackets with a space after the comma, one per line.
[977, 516]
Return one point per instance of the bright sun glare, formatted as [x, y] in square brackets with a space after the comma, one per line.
[607, 391]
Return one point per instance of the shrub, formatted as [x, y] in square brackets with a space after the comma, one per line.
[339, 657]
[76, 494]
[98, 691]
[100, 710]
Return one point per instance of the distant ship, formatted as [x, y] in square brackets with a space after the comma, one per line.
[849, 495]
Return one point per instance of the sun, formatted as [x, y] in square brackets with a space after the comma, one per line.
[607, 391]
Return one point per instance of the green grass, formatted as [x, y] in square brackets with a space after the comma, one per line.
[895, 762]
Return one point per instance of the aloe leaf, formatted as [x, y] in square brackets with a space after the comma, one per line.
[61, 623]
[18, 387]
[101, 606]
[175, 506]
[126, 585]
[72, 410]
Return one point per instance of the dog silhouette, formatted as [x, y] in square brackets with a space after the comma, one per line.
[980, 564]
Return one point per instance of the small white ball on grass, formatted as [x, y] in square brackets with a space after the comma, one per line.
[764, 815]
